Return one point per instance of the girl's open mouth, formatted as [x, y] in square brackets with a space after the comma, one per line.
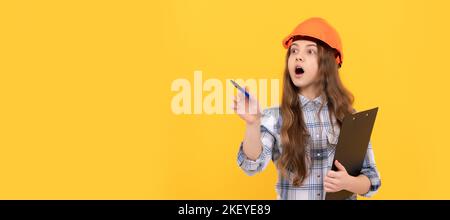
[299, 70]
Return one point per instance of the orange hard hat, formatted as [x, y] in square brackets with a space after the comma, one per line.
[319, 29]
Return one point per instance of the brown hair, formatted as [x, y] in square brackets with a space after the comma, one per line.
[294, 134]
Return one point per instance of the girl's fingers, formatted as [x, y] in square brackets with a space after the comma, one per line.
[332, 174]
[247, 102]
[233, 105]
[340, 166]
[236, 103]
[329, 188]
[331, 181]
[235, 108]
[240, 96]
[243, 105]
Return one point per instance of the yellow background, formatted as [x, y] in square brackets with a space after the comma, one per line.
[85, 94]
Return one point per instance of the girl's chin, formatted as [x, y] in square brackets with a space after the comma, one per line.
[299, 82]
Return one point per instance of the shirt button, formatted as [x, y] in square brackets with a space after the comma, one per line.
[317, 135]
[318, 194]
[318, 155]
[318, 176]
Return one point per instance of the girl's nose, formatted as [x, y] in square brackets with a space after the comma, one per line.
[298, 59]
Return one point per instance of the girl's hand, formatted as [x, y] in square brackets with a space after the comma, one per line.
[337, 180]
[247, 108]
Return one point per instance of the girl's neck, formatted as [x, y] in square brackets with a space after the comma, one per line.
[310, 92]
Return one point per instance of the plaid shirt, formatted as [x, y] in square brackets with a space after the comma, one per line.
[320, 152]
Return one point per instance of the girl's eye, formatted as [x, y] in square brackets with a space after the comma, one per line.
[294, 50]
[311, 51]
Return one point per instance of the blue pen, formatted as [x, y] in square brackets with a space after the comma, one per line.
[247, 95]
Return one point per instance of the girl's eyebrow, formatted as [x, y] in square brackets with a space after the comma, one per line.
[308, 45]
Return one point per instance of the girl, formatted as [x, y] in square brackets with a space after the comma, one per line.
[300, 136]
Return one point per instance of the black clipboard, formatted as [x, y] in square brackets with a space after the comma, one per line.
[352, 145]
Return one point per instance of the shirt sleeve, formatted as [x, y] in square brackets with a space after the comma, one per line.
[268, 140]
[369, 169]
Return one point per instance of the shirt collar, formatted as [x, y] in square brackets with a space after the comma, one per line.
[318, 100]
